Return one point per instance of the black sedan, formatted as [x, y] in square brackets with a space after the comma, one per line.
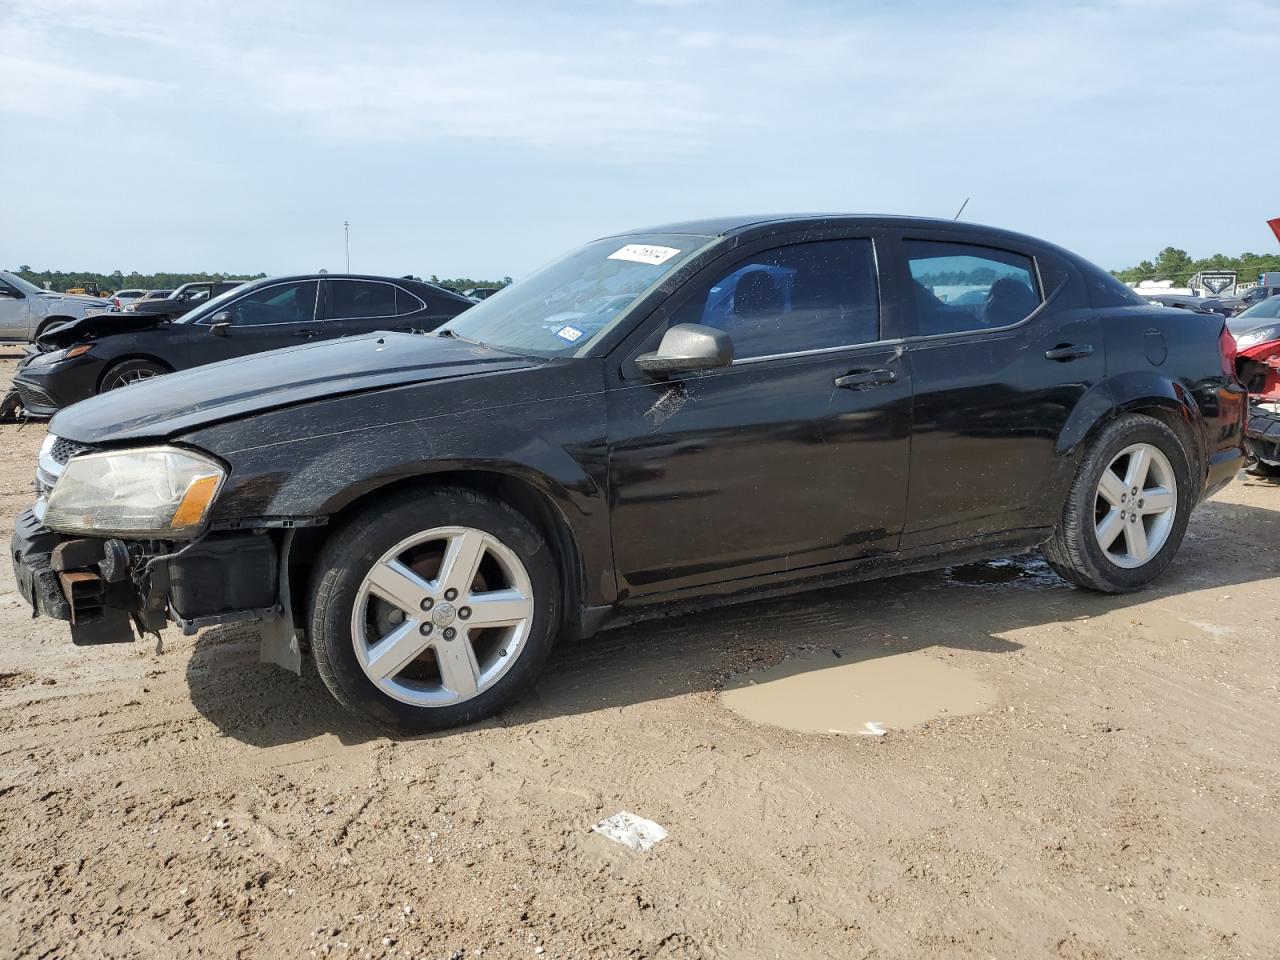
[104, 352]
[680, 415]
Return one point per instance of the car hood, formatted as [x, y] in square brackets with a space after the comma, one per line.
[77, 298]
[97, 325]
[232, 389]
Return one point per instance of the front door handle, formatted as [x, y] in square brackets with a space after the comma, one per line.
[1069, 351]
[862, 379]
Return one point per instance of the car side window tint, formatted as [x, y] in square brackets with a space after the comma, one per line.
[352, 299]
[406, 302]
[282, 303]
[793, 299]
[960, 287]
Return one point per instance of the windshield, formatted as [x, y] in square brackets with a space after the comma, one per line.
[562, 309]
[211, 306]
[26, 286]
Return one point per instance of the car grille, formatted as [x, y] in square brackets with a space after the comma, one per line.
[32, 396]
[64, 449]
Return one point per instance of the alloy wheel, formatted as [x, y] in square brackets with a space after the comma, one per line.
[441, 616]
[1135, 505]
[130, 377]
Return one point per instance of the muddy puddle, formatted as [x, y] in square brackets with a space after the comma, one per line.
[832, 691]
[1028, 571]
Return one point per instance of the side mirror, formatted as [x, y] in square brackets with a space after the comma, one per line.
[220, 323]
[687, 347]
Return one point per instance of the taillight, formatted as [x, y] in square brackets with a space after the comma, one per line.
[1227, 347]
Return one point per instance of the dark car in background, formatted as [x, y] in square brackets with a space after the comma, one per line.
[182, 300]
[104, 352]
[675, 416]
[1183, 302]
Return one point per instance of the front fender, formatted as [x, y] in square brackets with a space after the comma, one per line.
[544, 428]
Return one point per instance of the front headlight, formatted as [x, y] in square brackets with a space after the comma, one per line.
[160, 492]
[57, 356]
[1258, 335]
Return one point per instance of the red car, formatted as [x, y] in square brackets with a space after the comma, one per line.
[1257, 333]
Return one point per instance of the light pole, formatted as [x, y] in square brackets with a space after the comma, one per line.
[346, 231]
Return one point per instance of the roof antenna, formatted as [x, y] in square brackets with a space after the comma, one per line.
[961, 210]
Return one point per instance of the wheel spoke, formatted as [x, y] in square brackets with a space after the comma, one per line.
[1109, 528]
[396, 583]
[1156, 500]
[498, 608]
[459, 671]
[1111, 488]
[394, 652]
[1135, 537]
[461, 561]
[1135, 475]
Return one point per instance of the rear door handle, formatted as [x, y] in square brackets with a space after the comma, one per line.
[862, 379]
[1069, 351]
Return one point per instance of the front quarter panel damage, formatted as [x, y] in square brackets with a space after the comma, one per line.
[543, 425]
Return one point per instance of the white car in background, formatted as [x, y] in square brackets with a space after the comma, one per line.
[26, 311]
[123, 298]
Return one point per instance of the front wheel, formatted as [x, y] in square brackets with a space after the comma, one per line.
[129, 372]
[433, 608]
[1128, 508]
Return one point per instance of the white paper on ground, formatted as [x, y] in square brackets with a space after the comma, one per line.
[631, 831]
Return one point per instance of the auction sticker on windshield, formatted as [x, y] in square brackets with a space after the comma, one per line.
[569, 332]
[644, 253]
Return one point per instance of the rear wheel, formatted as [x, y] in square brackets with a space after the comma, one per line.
[129, 372]
[1128, 508]
[433, 609]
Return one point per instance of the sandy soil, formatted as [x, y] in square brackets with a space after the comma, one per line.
[1120, 800]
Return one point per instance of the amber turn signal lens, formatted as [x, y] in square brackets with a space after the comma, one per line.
[194, 502]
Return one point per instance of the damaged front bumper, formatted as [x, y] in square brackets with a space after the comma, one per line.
[1262, 434]
[109, 588]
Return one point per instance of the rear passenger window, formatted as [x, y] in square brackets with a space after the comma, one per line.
[353, 299]
[406, 302]
[794, 299]
[959, 287]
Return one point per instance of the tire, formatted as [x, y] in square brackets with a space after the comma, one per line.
[1089, 515]
[417, 532]
[128, 372]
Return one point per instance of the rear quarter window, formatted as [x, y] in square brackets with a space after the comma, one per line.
[1105, 290]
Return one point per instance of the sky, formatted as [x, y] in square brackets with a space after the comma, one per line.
[482, 139]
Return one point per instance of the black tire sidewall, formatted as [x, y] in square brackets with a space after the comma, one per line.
[1121, 434]
[362, 541]
[115, 370]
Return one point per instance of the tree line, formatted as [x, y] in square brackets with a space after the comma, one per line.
[1178, 266]
[62, 280]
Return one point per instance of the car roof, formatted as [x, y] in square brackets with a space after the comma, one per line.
[404, 281]
[785, 222]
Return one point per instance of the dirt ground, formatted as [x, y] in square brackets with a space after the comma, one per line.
[1120, 800]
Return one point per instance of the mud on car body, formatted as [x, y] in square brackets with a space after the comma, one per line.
[664, 419]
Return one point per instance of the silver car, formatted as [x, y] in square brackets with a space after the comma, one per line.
[26, 311]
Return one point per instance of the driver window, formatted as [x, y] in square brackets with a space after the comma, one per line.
[793, 299]
[282, 303]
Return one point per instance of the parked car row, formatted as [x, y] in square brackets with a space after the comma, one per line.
[103, 352]
[671, 417]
